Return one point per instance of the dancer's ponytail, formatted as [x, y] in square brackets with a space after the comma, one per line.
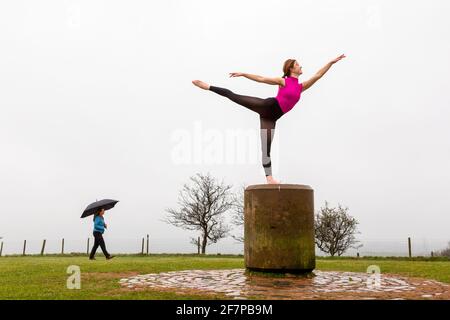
[288, 64]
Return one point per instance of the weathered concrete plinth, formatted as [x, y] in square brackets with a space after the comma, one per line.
[279, 228]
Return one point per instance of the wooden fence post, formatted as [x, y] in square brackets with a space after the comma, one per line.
[62, 246]
[409, 247]
[1, 249]
[43, 247]
[142, 251]
[148, 240]
[198, 245]
[24, 247]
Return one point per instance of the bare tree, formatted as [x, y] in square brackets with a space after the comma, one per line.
[335, 230]
[238, 212]
[445, 252]
[202, 208]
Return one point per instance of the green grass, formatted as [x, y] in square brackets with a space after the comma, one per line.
[36, 277]
[437, 270]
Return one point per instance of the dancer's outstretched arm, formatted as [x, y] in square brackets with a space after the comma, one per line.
[254, 77]
[308, 83]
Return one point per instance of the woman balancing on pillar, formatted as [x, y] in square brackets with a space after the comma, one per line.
[272, 108]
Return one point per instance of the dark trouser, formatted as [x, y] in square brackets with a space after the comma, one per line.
[269, 112]
[99, 241]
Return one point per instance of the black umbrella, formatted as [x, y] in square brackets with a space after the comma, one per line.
[95, 206]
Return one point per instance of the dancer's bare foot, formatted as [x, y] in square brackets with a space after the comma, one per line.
[201, 84]
[271, 180]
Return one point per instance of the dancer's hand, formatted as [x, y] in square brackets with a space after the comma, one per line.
[106, 226]
[337, 59]
[236, 74]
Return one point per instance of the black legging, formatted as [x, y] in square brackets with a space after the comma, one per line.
[269, 112]
[99, 241]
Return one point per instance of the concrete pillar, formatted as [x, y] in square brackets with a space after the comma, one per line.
[279, 228]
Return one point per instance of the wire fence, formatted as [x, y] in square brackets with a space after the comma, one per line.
[400, 247]
[425, 247]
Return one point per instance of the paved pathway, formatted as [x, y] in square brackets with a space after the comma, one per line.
[238, 284]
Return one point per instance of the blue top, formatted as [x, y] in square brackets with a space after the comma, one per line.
[99, 224]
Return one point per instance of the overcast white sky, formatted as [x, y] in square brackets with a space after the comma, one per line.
[96, 101]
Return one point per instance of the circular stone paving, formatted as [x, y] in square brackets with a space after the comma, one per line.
[239, 284]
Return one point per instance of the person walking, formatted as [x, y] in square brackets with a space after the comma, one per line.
[99, 229]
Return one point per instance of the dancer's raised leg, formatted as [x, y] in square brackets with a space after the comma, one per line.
[255, 104]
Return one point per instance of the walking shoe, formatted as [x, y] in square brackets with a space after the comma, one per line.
[109, 257]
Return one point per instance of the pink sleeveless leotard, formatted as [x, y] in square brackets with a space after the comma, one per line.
[289, 95]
